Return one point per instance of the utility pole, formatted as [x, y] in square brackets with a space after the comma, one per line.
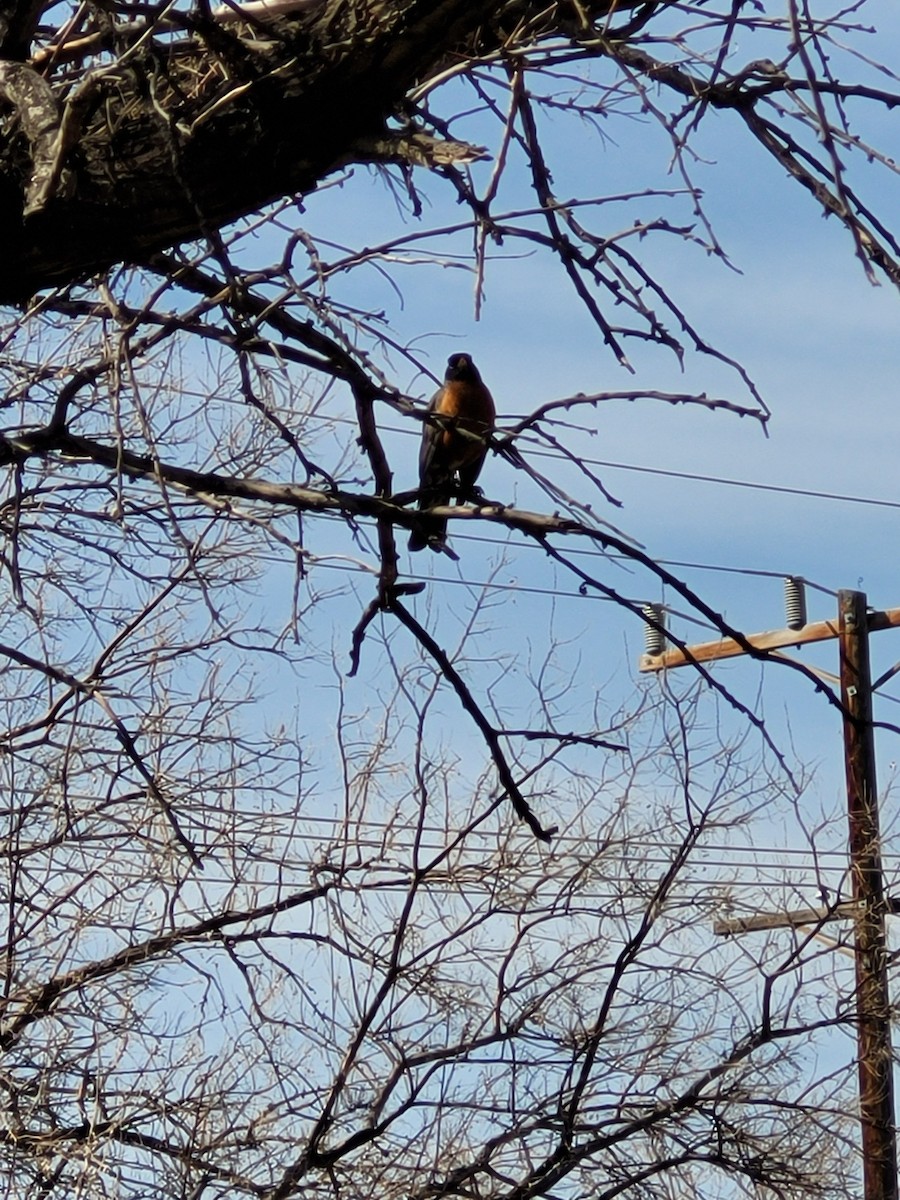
[869, 907]
[873, 1004]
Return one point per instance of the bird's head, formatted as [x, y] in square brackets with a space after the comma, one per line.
[460, 366]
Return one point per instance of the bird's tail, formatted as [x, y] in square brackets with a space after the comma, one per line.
[431, 533]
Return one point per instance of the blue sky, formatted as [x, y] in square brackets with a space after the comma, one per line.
[798, 312]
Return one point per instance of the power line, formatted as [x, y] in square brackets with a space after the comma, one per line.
[581, 552]
[690, 476]
[694, 477]
[558, 593]
[741, 483]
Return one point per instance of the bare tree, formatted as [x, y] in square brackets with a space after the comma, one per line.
[423, 1005]
[272, 926]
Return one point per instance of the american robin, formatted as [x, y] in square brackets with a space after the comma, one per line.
[453, 448]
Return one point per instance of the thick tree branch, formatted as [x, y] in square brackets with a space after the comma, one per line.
[147, 139]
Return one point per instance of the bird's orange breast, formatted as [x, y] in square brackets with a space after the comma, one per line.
[472, 409]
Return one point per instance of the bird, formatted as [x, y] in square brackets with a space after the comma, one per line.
[453, 446]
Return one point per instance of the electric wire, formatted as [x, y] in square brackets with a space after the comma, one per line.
[690, 476]
[640, 846]
[574, 552]
[539, 452]
[558, 593]
[802, 856]
[518, 588]
[580, 552]
[784, 489]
